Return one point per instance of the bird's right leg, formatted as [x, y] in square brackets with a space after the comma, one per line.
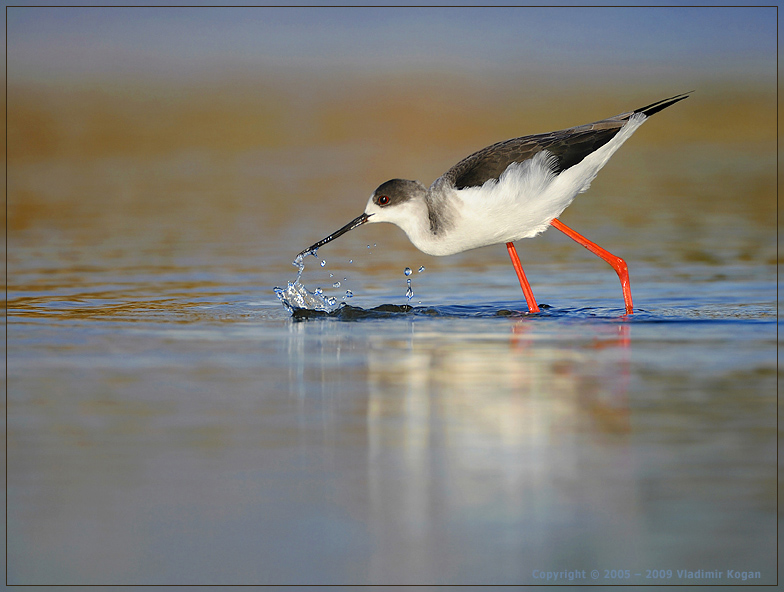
[527, 292]
[618, 264]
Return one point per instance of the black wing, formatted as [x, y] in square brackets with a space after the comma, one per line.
[568, 146]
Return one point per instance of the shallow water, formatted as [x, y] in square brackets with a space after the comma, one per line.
[176, 424]
[171, 422]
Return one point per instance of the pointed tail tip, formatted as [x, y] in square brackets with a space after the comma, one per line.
[649, 110]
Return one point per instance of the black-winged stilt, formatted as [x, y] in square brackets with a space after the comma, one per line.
[508, 191]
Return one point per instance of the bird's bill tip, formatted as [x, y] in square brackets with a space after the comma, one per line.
[358, 221]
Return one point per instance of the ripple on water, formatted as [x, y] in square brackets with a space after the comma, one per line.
[488, 310]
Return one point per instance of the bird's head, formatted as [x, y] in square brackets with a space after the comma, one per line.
[395, 201]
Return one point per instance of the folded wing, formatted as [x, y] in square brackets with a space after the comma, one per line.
[569, 147]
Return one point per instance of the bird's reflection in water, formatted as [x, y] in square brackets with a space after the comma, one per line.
[478, 423]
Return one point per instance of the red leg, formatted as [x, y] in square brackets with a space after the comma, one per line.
[618, 264]
[527, 292]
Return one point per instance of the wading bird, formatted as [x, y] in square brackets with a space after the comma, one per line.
[508, 191]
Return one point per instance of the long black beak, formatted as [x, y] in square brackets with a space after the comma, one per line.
[358, 221]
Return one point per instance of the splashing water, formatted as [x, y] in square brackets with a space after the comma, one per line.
[296, 296]
[409, 291]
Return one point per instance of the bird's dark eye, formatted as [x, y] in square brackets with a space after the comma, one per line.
[383, 200]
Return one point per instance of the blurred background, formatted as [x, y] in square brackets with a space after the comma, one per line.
[219, 125]
[169, 423]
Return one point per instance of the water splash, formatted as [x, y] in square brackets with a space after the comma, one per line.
[409, 291]
[299, 263]
[296, 296]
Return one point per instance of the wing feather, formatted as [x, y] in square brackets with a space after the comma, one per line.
[569, 147]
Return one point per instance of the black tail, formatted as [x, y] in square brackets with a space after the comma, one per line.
[659, 105]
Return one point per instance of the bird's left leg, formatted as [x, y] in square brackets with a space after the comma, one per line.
[618, 264]
[527, 292]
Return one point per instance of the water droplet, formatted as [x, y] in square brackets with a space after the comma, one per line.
[409, 292]
[318, 291]
[299, 262]
[368, 246]
[351, 261]
[349, 294]
[408, 272]
[421, 269]
[336, 285]
[345, 279]
[332, 300]
[374, 244]
[323, 262]
[330, 275]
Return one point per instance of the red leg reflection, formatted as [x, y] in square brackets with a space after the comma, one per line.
[618, 264]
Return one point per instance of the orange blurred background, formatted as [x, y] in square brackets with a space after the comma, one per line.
[289, 145]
